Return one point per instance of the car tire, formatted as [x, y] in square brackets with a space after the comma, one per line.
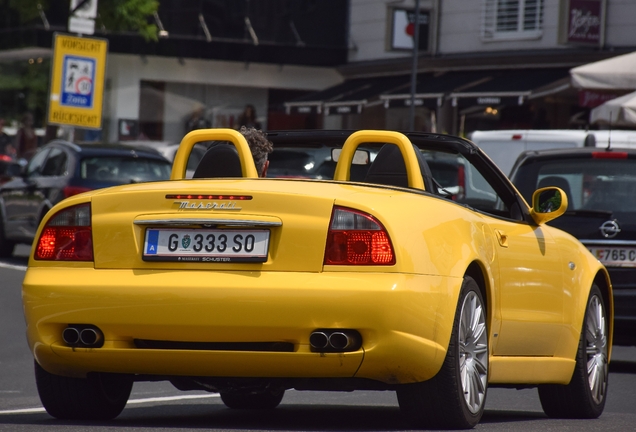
[456, 396]
[6, 246]
[584, 397]
[268, 399]
[97, 397]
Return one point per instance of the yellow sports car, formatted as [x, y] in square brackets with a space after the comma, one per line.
[417, 268]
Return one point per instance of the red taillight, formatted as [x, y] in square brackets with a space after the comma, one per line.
[516, 137]
[357, 238]
[609, 155]
[74, 190]
[67, 236]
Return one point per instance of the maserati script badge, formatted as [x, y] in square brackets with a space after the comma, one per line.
[200, 205]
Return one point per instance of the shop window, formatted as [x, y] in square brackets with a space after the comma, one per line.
[512, 19]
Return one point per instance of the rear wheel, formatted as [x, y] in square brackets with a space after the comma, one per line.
[584, 397]
[268, 399]
[98, 397]
[455, 397]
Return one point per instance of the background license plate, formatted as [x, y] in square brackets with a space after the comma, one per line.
[615, 256]
[205, 245]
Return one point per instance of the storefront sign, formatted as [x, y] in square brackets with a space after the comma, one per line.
[592, 99]
[303, 109]
[343, 109]
[403, 30]
[77, 81]
[584, 21]
[425, 102]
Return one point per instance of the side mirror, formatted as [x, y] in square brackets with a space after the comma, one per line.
[360, 157]
[548, 203]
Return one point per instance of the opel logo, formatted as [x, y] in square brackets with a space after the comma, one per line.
[610, 229]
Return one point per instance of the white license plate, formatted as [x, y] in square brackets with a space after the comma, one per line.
[205, 245]
[615, 256]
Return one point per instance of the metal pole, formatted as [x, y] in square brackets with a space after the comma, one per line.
[416, 49]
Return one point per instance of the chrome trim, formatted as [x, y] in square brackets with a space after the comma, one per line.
[608, 242]
[224, 222]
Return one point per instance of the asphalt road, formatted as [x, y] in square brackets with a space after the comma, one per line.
[159, 406]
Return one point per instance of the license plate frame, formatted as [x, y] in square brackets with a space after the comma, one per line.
[225, 245]
[614, 256]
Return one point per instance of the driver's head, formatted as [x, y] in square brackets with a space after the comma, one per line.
[260, 147]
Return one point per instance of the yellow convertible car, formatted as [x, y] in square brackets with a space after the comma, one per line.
[417, 268]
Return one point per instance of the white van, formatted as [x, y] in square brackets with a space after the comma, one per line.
[504, 146]
[615, 138]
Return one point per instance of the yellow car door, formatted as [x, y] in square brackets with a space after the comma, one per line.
[530, 285]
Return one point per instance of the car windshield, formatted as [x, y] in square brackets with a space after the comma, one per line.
[121, 169]
[591, 184]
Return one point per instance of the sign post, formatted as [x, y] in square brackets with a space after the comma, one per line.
[77, 81]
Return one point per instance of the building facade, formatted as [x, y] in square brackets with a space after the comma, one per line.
[212, 59]
[482, 64]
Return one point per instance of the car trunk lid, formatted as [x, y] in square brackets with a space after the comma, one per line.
[294, 214]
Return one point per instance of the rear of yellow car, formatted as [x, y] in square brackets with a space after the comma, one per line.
[178, 280]
[251, 286]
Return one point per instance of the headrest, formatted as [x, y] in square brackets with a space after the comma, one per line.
[221, 160]
[389, 168]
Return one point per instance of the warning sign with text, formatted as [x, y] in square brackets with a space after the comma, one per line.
[77, 81]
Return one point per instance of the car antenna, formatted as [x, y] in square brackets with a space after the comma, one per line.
[609, 133]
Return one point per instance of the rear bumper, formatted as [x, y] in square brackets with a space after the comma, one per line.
[405, 321]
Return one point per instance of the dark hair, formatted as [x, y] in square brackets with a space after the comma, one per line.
[259, 145]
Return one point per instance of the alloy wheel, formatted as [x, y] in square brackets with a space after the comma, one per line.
[473, 352]
[596, 349]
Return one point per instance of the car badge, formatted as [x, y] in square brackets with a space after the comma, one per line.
[185, 241]
[208, 202]
[610, 229]
[199, 205]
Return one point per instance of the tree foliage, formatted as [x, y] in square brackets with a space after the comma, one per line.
[24, 87]
[132, 15]
[113, 15]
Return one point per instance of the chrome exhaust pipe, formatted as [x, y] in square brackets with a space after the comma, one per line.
[90, 336]
[71, 336]
[339, 340]
[319, 340]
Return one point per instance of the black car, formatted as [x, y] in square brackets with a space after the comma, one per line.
[61, 169]
[601, 189]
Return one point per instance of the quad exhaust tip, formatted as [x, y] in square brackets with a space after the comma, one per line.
[83, 336]
[335, 340]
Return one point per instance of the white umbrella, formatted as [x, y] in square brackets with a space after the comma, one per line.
[619, 112]
[616, 73]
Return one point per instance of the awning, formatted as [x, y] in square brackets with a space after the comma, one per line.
[511, 87]
[349, 97]
[484, 87]
[616, 73]
[616, 112]
[465, 88]
[431, 88]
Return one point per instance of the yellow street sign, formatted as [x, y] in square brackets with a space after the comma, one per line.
[77, 81]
